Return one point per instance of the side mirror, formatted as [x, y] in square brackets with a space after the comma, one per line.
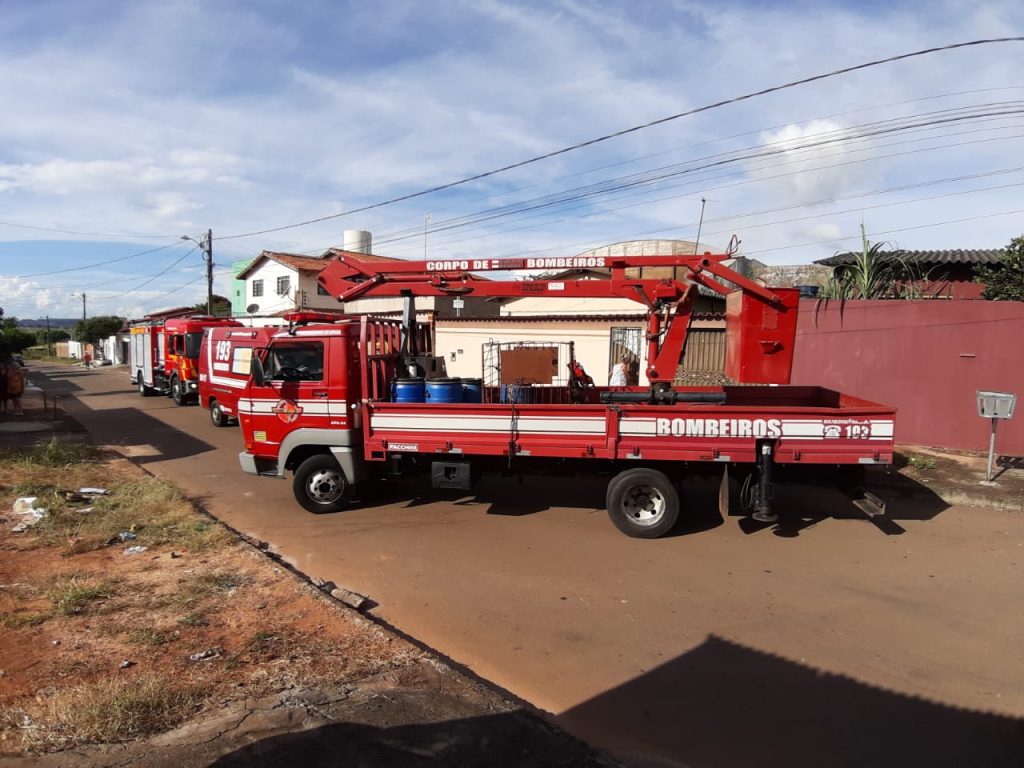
[259, 377]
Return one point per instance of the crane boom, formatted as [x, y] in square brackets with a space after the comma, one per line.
[668, 300]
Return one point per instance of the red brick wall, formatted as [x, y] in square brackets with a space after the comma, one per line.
[927, 358]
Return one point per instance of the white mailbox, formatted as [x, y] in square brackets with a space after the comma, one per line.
[996, 405]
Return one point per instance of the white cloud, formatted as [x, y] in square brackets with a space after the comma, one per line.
[165, 118]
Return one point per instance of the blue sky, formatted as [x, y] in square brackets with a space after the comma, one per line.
[153, 120]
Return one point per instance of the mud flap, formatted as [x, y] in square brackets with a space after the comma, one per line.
[724, 493]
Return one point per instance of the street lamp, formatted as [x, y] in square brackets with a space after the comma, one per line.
[207, 247]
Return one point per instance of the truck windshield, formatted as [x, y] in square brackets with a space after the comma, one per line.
[301, 361]
[192, 343]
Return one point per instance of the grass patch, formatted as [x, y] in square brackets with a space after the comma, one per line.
[72, 595]
[113, 710]
[55, 453]
[194, 619]
[19, 620]
[917, 461]
[151, 508]
[148, 637]
[208, 584]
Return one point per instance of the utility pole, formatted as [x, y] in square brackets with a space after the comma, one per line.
[209, 272]
[426, 220]
[83, 307]
[206, 246]
[48, 350]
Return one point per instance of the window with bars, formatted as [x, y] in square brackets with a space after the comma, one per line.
[257, 288]
[283, 285]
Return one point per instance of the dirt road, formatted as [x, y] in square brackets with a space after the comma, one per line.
[831, 641]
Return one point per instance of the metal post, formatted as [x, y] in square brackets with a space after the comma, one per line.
[209, 272]
[991, 451]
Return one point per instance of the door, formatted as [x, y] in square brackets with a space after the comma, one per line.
[294, 393]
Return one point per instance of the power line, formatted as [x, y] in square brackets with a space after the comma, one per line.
[163, 272]
[695, 182]
[83, 234]
[99, 263]
[633, 129]
[634, 183]
[889, 231]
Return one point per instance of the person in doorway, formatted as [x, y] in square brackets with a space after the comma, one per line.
[619, 376]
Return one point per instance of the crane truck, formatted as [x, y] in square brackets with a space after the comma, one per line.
[339, 404]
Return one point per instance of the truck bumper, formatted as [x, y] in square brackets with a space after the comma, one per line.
[254, 465]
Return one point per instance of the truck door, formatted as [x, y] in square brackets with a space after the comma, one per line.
[294, 393]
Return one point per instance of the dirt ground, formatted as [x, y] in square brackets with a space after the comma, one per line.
[203, 650]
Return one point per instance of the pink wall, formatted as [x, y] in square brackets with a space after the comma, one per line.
[927, 358]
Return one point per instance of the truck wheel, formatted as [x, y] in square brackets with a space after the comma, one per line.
[176, 391]
[143, 389]
[320, 485]
[643, 503]
[217, 416]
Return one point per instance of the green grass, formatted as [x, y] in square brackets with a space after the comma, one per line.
[55, 453]
[72, 595]
[918, 461]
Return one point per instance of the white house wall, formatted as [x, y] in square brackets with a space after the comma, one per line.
[461, 343]
[270, 302]
[373, 306]
[555, 305]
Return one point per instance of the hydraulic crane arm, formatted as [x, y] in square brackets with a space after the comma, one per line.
[669, 300]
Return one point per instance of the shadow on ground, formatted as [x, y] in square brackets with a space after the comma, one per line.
[512, 740]
[731, 706]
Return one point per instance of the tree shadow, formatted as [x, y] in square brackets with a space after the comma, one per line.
[728, 705]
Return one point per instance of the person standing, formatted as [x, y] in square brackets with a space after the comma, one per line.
[14, 384]
[87, 358]
[620, 372]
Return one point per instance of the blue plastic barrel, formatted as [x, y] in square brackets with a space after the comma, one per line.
[409, 390]
[472, 390]
[444, 390]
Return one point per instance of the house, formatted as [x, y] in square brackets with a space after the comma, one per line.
[945, 274]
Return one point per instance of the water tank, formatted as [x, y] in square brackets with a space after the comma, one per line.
[357, 240]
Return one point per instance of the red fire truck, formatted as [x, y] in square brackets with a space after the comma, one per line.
[165, 355]
[325, 401]
[225, 361]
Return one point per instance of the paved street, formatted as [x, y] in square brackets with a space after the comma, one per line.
[837, 643]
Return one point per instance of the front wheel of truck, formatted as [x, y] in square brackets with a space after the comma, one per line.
[321, 486]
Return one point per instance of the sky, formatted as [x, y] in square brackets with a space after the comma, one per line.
[130, 125]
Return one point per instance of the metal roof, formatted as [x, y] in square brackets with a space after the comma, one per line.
[953, 256]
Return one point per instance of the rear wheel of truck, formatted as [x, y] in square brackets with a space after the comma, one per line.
[217, 416]
[643, 503]
[321, 486]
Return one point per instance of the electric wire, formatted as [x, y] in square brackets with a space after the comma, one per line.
[633, 129]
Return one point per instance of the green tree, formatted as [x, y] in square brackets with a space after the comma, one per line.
[875, 274]
[221, 307]
[12, 338]
[95, 328]
[56, 335]
[1005, 281]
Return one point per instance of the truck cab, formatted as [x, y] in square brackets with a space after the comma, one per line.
[301, 403]
[183, 340]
